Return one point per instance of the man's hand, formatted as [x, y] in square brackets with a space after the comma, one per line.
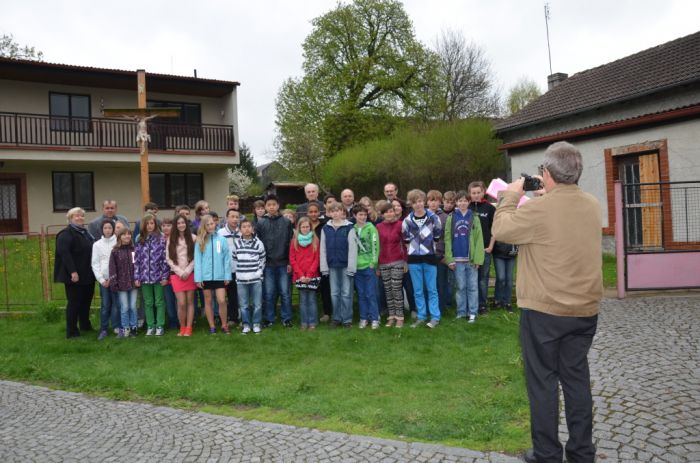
[105, 284]
[74, 277]
[452, 266]
[542, 190]
[517, 186]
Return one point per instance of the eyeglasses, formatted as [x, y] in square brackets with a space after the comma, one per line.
[540, 169]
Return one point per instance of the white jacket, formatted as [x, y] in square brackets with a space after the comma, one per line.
[100, 257]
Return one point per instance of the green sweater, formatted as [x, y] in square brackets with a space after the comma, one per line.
[367, 246]
[476, 242]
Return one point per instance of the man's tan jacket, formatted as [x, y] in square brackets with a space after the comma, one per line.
[560, 258]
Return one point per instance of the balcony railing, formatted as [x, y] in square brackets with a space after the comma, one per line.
[18, 129]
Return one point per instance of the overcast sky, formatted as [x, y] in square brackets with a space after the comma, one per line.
[258, 43]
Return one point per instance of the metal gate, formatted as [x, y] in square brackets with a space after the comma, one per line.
[657, 234]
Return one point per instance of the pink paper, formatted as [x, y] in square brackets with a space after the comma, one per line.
[497, 185]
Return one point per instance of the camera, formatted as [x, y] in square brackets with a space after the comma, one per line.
[531, 183]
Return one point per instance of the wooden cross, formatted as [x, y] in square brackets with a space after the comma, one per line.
[141, 116]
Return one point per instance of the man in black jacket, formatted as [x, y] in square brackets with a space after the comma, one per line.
[276, 233]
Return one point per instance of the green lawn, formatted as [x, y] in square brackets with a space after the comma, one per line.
[459, 384]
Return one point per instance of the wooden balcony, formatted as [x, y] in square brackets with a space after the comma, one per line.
[37, 130]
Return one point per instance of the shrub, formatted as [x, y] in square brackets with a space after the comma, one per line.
[52, 311]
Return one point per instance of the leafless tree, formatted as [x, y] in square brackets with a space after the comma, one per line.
[465, 81]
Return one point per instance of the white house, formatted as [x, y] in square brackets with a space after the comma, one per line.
[637, 120]
[57, 151]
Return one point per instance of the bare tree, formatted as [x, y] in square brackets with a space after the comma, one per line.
[11, 49]
[465, 80]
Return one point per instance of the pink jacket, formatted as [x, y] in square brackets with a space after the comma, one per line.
[182, 265]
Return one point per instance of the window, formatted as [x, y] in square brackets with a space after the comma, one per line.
[69, 112]
[190, 113]
[73, 189]
[171, 190]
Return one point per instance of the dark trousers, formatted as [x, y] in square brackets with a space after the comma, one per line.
[555, 350]
[232, 304]
[326, 295]
[78, 308]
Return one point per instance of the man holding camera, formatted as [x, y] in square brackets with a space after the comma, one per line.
[559, 288]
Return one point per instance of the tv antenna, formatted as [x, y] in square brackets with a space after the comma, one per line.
[546, 23]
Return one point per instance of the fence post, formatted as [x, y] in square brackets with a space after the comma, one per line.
[5, 273]
[44, 252]
[619, 241]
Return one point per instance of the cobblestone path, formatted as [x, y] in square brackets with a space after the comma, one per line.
[645, 367]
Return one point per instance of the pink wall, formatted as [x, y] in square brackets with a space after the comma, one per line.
[668, 270]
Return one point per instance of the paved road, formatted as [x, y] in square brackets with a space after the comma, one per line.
[645, 367]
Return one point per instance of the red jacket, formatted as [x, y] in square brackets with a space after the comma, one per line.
[304, 260]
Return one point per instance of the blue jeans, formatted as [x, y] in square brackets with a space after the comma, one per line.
[109, 309]
[250, 297]
[467, 289]
[443, 286]
[341, 294]
[170, 306]
[366, 284]
[127, 303]
[484, 279]
[425, 275]
[308, 309]
[277, 283]
[504, 280]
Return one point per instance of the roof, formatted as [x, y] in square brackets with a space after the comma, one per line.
[40, 71]
[656, 69]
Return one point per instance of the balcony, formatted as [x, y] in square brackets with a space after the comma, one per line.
[37, 130]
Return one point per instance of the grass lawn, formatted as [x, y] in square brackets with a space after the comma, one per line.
[459, 384]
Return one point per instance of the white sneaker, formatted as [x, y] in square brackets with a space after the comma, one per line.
[150, 332]
[160, 331]
[375, 324]
[363, 324]
[472, 318]
[256, 328]
[433, 323]
[116, 330]
[246, 329]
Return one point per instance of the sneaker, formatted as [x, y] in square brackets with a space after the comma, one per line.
[150, 331]
[182, 331]
[226, 329]
[188, 331]
[399, 323]
[335, 324]
[414, 315]
[390, 322]
[116, 330]
[133, 332]
[267, 324]
[287, 323]
[256, 329]
[375, 324]
[103, 334]
[347, 325]
[433, 323]
[472, 318]
[509, 308]
[417, 323]
[363, 324]
[212, 330]
[246, 329]
[312, 327]
[122, 333]
[160, 331]
[460, 317]
[324, 318]
[482, 310]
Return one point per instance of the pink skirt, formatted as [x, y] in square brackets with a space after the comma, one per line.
[180, 285]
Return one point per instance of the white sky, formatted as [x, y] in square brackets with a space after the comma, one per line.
[259, 43]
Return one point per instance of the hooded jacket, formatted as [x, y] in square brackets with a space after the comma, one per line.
[367, 246]
[305, 260]
[275, 232]
[150, 265]
[121, 269]
[101, 251]
[214, 263]
[338, 247]
[456, 246]
[249, 260]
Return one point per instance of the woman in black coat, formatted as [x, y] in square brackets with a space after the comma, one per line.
[72, 267]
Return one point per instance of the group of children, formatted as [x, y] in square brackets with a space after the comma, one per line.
[255, 262]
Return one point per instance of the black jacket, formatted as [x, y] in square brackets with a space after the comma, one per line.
[276, 234]
[73, 254]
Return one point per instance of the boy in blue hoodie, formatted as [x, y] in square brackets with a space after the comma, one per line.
[464, 253]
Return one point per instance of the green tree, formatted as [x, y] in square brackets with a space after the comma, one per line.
[11, 49]
[521, 94]
[247, 163]
[363, 69]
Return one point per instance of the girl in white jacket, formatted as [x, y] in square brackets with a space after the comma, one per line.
[100, 267]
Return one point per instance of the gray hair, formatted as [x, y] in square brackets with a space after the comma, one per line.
[73, 212]
[563, 162]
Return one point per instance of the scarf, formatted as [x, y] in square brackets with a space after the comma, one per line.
[305, 240]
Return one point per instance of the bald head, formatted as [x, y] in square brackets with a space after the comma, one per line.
[347, 197]
[311, 191]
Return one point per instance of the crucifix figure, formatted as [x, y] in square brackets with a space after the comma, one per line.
[141, 116]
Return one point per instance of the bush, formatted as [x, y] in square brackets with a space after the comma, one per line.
[442, 156]
[52, 311]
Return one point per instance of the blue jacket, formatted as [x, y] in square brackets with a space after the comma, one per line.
[214, 264]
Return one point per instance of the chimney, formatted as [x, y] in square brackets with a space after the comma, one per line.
[556, 79]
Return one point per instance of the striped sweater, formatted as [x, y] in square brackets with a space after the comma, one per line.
[249, 258]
